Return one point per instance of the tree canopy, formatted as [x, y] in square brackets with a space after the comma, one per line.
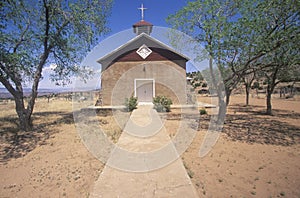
[37, 33]
[243, 37]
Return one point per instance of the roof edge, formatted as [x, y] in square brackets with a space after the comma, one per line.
[136, 38]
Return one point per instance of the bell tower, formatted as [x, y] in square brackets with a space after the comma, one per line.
[142, 26]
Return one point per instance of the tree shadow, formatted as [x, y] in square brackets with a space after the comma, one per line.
[260, 110]
[250, 124]
[16, 143]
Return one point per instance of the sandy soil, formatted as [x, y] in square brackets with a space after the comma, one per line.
[51, 161]
[256, 155]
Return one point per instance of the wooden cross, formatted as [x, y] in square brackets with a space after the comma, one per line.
[142, 9]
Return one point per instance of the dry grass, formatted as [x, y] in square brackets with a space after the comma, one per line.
[49, 161]
[16, 143]
[109, 125]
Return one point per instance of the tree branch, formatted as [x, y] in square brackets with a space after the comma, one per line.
[7, 85]
[21, 37]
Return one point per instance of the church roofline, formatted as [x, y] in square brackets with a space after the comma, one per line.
[142, 23]
[103, 59]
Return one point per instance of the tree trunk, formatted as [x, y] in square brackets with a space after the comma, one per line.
[228, 94]
[25, 121]
[220, 93]
[247, 94]
[222, 112]
[269, 104]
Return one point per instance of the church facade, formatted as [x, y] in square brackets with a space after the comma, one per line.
[144, 68]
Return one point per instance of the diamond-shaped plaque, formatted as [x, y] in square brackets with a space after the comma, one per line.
[144, 51]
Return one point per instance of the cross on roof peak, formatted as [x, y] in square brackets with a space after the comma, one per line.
[142, 11]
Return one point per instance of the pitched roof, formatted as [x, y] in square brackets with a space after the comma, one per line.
[142, 23]
[134, 44]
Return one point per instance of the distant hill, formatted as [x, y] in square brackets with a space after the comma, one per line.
[4, 94]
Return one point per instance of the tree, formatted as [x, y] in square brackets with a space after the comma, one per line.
[37, 33]
[284, 66]
[242, 37]
[247, 81]
[208, 21]
[280, 38]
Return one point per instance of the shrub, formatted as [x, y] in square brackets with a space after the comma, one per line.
[203, 91]
[162, 104]
[131, 103]
[203, 111]
[204, 84]
[197, 85]
[255, 85]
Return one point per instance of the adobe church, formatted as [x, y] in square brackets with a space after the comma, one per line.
[144, 67]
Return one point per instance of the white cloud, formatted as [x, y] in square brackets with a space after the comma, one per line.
[49, 68]
[53, 66]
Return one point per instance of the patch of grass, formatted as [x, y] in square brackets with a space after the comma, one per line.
[260, 168]
[115, 134]
[189, 171]
[253, 193]
[282, 194]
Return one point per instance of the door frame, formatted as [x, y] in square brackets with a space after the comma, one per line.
[144, 79]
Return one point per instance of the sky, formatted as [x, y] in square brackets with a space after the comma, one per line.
[124, 14]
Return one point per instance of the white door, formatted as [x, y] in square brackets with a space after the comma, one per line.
[144, 90]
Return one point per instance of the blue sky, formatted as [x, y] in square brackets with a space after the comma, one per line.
[125, 12]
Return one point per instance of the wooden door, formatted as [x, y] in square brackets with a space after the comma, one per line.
[144, 90]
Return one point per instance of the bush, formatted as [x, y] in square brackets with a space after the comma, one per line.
[204, 85]
[203, 111]
[197, 85]
[131, 103]
[162, 104]
[255, 85]
[203, 91]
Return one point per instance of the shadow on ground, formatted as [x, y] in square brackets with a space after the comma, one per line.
[250, 124]
[15, 143]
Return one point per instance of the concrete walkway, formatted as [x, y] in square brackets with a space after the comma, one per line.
[140, 164]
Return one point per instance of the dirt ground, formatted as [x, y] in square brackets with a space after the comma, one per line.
[256, 155]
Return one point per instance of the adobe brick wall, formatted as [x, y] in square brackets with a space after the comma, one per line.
[117, 81]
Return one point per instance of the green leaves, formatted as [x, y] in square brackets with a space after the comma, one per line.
[162, 104]
[39, 33]
[60, 31]
[240, 34]
[131, 103]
